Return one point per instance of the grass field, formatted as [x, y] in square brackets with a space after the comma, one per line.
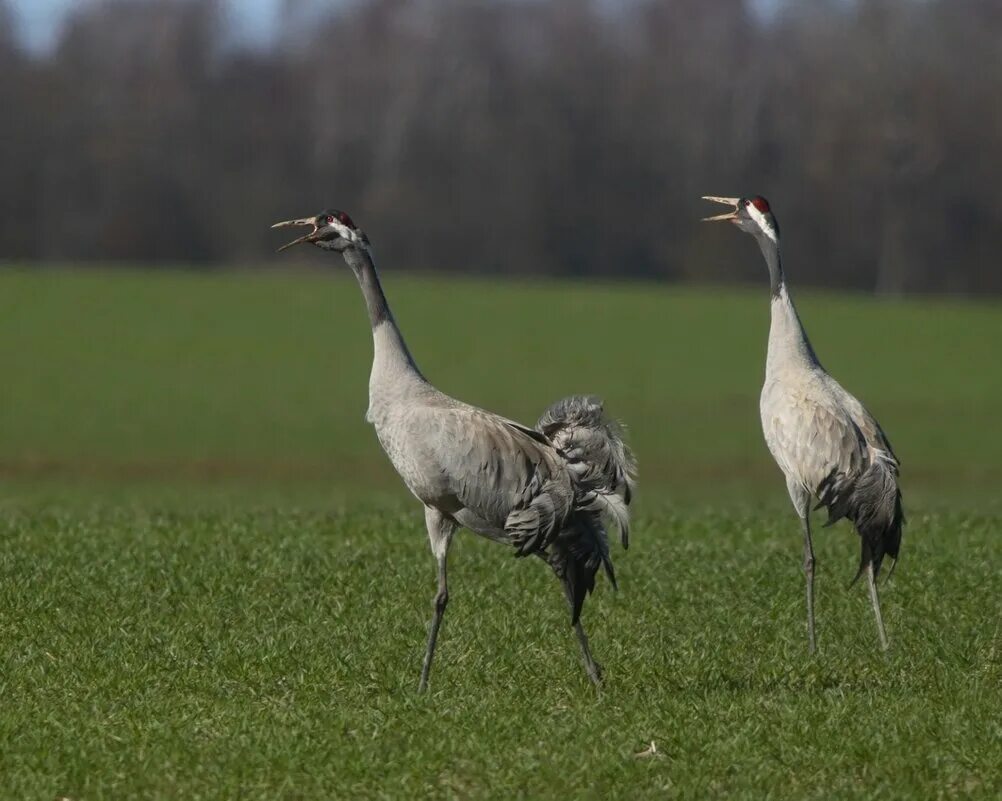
[213, 586]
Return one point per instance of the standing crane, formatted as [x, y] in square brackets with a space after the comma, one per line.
[826, 443]
[544, 491]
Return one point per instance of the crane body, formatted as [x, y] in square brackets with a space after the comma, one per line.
[470, 468]
[828, 446]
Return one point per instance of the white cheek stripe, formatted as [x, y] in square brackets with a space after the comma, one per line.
[759, 218]
[343, 230]
[348, 234]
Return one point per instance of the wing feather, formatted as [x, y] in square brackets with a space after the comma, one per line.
[506, 474]
[872, 433]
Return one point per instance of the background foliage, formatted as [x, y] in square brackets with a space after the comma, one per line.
[558, 137]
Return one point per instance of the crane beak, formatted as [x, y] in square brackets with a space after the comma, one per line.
[727, 201]
[310, 237]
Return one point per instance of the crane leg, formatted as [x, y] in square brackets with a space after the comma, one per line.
[809, 577]
[440, 531]
[875, 601]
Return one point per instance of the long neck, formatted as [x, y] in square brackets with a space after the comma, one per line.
[390, 350]
[788, 342]
[770, 249]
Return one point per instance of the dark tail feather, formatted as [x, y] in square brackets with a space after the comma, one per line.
[835, 492]
[894, 564]
[580, 582]
[875, 509]
[576, 555]
[862, 566]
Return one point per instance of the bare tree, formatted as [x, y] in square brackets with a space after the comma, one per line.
[562, 137]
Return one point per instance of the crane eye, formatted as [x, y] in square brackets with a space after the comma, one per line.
[330, 219]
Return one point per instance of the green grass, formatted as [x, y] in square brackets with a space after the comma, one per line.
[261, 379]
[261, 655]
[213, 586]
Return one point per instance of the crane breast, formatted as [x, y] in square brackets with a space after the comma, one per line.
[810, 437]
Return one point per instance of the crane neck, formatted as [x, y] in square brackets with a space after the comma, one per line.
[788, 342]
[770, 249]
[390, 348]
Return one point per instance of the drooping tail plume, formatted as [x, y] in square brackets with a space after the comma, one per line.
[576, 555]
[596, 454]
[602, 470]
[873, 503]
[875, 509]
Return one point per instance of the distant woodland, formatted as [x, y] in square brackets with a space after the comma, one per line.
[519, 137]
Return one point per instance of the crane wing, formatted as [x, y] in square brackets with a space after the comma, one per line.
[508, 482]
[506, 474]
[874, 435]
[873, 499]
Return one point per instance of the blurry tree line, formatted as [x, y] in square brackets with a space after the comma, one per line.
[561, 137]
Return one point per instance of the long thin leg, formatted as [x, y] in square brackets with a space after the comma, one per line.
[875, 600]
[802, 504]
[809, 563]
[440, 531]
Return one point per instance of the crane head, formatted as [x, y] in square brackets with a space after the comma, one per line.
[751, 215]
[331, 230]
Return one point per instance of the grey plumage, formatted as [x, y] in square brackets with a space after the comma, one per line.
[824, 440]
[544, 491]
[871, 500]
[595, 450]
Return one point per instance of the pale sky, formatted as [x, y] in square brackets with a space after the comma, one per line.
[40, 20]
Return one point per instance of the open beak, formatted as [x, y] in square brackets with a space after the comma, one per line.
[310, 237]
[727, 201]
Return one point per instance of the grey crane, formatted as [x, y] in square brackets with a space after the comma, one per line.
[826, 443]
[545, 491]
